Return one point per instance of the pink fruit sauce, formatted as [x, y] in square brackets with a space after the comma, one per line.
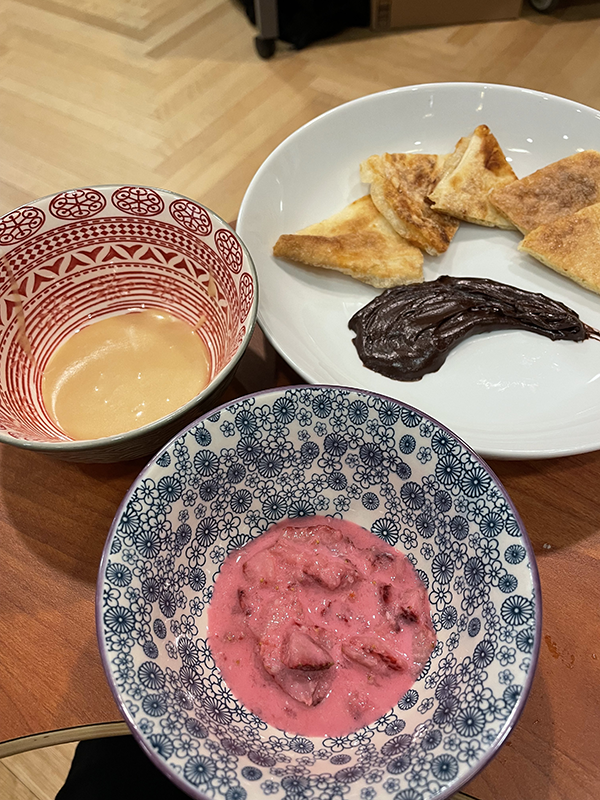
[319, 627]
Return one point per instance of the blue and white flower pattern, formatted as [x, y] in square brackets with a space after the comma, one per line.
[293, 453]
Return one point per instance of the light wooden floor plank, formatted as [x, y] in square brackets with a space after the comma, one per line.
[38, 774]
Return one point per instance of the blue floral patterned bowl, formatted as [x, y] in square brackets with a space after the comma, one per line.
[291, 453]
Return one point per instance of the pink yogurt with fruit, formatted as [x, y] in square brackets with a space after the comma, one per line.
[318, 626]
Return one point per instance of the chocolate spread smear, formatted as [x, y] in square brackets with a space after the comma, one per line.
[408, 331]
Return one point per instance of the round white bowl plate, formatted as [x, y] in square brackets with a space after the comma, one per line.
[509, 394]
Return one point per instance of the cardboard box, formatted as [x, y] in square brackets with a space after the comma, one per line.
[388, 14]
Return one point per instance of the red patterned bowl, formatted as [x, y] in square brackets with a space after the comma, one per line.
[88, 253]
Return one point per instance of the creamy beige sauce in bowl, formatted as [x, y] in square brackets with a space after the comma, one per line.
[123, 372]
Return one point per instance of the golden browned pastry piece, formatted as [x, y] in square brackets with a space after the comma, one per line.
[570, 245]
[476, 166]
[560, 188]
[400, 186]
[359, 242]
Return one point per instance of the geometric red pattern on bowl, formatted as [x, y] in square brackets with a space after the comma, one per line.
[138, 200]
[246, 294]
[70, 272]
[77, 204]
[229, 247]
[191, 216]
[20, 224]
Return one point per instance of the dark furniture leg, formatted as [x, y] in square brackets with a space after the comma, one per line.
[267, 25]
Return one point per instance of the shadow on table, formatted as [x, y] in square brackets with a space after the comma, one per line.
[62, 511]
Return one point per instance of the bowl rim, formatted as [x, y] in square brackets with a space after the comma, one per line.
[513, 717]
[492, 451]
[108, 442]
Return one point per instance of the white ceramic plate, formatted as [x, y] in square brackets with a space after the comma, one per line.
[509, 394]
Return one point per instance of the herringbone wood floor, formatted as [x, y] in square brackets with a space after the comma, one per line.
[172, 94]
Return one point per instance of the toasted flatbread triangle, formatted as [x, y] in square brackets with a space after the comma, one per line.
[570, 245]
[359, 242]
[558, 189]
[400, 184]
[477, 166]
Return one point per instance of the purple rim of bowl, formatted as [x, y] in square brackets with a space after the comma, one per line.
[106, 442]
[511, 720]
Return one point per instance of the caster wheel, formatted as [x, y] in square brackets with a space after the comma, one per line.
[544, 6]
[264, 47]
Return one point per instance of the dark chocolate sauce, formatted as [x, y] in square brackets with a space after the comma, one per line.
[408, 331]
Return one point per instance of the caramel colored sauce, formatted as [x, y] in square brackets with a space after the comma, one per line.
[123, 372]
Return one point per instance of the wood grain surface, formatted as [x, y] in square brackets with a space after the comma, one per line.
[172, 94]
[36, 775]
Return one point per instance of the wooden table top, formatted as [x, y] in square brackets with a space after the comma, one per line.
[54, 518]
